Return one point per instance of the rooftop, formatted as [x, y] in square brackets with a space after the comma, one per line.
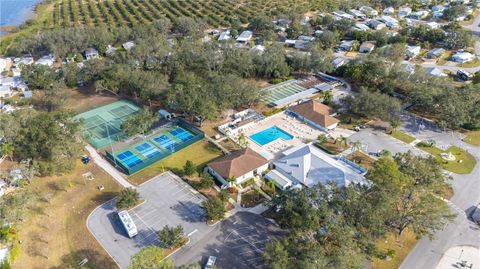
[316, 112]
[310, 166]
[238, 163]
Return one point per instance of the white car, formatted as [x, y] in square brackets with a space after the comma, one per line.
[210, 262]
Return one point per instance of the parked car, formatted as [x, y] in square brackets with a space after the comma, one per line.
[210, 262]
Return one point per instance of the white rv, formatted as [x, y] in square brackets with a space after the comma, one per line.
[128, 223]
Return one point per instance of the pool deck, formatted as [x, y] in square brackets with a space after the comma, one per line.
[301, 133]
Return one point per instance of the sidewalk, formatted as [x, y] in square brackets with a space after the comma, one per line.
[107, 167]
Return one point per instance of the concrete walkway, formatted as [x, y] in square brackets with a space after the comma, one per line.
[105, 165]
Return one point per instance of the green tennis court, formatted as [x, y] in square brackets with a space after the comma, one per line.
[101, 126]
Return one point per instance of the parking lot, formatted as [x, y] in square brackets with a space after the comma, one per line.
[375, 141]
[237, 242]
[168, 201]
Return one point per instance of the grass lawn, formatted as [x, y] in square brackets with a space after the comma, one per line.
[445, 57]
[252, 198]
[199, 153]
[473, 63]
[472, 137]
[465, 167]
[55, 234]
[361, 159]
[402, 136]
[402, 246]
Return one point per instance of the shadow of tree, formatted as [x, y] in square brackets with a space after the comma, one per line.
[95, 259]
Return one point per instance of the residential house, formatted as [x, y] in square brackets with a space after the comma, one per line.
[339, 61]
[245, 37]
[343, 15]
[437, 15]
[432, 25]
[237, 167]
[290, 42]
[345, 45]
[366, 47]
[435, 53]
[438, 8]
[388, 11]
[357, 14]
[304, 20]
[91, 53]
[462, 57]
[5, 64]
[419, 14]
[224, 36]
[307, 165]
[9, 81]
[412, 51]
[404, 12]
[317, 33]
[111, 50]
[260, 49]
[315, 114]
[389, 21]
[128, 45]
[437, 72]
[5, 91]
[47, 60]
[27, 60]
[376, 24]
[370, 12]
[361, 27]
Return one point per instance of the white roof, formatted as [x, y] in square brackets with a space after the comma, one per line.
[414, 48]
[46, 60]
[310, 166]
[436, 72]
[361, 27]
[225, 36]
[128, 45]
[463, 55]
[127, 222]
[245, 36]
[280, 180]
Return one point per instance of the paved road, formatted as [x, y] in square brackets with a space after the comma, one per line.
[105, 165]
[238, 243]
[462, 231]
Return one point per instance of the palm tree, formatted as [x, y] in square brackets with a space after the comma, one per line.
[7, 150]
[343, 140]
[357, 145]
[242, 140]
[322, 138]
[327, 97]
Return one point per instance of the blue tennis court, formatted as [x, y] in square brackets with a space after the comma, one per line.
[165, 142]
[129, 158]
[148, 150]
[181, 134]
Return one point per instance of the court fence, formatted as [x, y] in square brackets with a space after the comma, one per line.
[197, 136]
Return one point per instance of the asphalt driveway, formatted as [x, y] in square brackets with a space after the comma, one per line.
[238, 243]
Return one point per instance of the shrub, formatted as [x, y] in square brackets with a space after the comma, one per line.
[189, 168]
[170, 236]
[214, 209]
[128, 197]
[206, 181]
[223, 195]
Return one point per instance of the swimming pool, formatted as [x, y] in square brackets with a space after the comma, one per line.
[271, 134]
